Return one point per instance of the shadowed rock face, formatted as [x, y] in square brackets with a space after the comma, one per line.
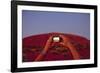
[34, 45]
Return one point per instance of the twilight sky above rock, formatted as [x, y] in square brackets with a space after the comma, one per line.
[38, 22]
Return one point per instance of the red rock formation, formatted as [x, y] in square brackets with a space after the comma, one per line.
[33, 46]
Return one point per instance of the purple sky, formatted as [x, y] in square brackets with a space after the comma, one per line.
[38, 22]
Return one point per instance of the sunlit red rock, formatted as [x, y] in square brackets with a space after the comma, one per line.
[34, 45]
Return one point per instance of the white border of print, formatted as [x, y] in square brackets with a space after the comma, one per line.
[53, 63]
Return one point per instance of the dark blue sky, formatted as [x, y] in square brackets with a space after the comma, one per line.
[38, 22]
